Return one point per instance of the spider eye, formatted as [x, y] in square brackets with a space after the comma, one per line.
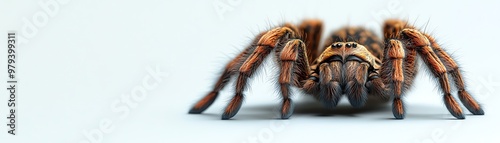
[348, 45]
[338, 45]
[354, 45]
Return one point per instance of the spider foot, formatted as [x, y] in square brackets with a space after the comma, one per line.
[204, 103]
[397, 109]
[398, 116]
[458, 115]
[287, 109]
[196, 111]
[470, 103]
[453, 107]
[477, 112]
[227, 116]
[233, 107]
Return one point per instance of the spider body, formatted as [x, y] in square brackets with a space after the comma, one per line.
[353, 62]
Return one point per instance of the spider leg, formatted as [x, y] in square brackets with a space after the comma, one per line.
[356, 74]
[269, 41]
[454, 71]
[330, 79]
[422, 45]
[376, 87]
[311, 85]
[230, 69]
[294, 68]
[311, 31]
[392, 71]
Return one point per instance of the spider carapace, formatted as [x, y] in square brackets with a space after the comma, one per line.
[353, 62]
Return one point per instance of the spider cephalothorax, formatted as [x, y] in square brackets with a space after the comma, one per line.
[353, 62]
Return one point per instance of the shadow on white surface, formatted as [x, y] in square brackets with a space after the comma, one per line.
[375, 109]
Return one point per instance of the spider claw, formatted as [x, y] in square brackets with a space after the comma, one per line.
[287, 115]
[458, 115]
[228, 115]
[477, 112]
[398, 116]
[195, 111]
[200, 110]
[204, 103]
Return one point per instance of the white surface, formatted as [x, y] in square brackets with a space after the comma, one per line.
[90, 53]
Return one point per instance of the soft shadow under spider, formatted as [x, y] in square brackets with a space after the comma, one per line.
[306, 106]
[246, 116]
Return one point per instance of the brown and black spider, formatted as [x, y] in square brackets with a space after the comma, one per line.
[353, 61]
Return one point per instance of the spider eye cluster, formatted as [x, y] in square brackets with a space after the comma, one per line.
[348, 45]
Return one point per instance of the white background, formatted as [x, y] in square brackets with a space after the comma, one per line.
[85, 56]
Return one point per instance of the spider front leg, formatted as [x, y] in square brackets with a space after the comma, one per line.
[376, 86]
[393, 73]
[230, 69]
[293, 59]
[294, 68]
[273, 39]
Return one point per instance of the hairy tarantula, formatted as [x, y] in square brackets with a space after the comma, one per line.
[353, 61]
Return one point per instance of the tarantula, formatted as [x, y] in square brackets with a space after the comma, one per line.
[353, 62]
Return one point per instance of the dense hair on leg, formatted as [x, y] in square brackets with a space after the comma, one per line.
[330, 90]
[311, 31]
[230, 69]
[393, 74]
[294, 68]
[356, 74]
[422, 45]
[311, 85]
[267, 43]
[454, 71]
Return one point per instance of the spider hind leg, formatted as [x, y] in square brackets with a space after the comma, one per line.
[454, 71]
